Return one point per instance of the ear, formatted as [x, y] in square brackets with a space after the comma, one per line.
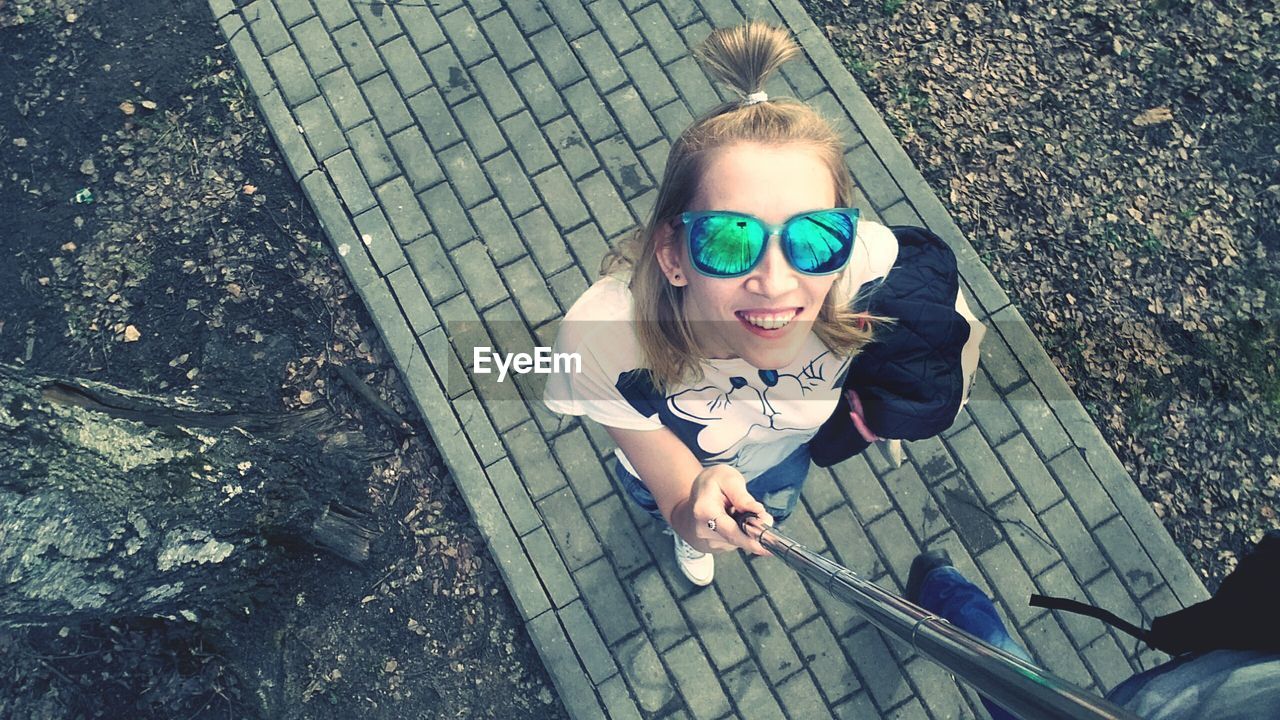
[670, 254]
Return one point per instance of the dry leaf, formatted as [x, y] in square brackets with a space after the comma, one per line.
[306, 397]
[149, 104]
[1153, 116]
[127, 108]
[250, 189]
[131, 334]
[234, 289]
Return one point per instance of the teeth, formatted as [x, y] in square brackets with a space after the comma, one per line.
[769, 322]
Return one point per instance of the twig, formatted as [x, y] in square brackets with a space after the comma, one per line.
[393, 418]
[1030, 530]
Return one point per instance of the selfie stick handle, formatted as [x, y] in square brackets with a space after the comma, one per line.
[1015, 684]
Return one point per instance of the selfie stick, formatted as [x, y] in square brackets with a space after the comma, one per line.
[1016, 685]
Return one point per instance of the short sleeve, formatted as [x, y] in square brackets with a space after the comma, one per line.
[602, 352]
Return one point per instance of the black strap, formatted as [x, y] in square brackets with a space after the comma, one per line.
[1075, 606]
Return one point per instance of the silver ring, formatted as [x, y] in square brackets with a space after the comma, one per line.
[711, 524]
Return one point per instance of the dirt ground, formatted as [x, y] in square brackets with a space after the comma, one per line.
[198, 270]
[1117, 166]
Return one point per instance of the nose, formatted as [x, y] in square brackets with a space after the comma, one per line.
[774, 276]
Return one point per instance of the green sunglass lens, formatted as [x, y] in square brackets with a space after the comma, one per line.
[725, 245]
[821, 243]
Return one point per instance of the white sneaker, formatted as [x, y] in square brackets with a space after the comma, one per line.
[698, 566]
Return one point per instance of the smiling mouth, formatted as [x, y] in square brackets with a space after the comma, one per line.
[775, 320]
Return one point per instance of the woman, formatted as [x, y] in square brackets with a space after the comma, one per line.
[717, 340]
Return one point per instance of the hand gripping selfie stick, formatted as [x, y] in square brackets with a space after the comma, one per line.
[1020, 687]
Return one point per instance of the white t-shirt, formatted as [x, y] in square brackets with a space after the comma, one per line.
[738, 414]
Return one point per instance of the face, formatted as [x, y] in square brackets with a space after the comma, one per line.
[739, 317]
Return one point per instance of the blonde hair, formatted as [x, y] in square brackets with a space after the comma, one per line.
[742, 58]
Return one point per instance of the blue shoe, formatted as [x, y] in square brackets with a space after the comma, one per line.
[925, 563]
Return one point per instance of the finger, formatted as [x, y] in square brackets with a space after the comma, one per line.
[861, 426]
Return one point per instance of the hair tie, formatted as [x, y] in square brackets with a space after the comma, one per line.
[755, 97]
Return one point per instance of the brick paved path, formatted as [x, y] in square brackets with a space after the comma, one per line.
[470, 163]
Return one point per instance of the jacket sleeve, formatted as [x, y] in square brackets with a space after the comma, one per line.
[914, 377]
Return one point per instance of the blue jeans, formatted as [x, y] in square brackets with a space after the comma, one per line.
[950, 595]
[777, 488]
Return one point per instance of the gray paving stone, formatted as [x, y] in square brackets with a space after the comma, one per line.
[736, 583]
[586, 638]
[990, 411]
[345, 98]
[623, 166]
[568, 525]
[848, 542]
[449, 74]
[802, 528]
[870, 174]
[599, 61]
[1055, 650]
[861, 487]
[937, 689]
[918, 508]
[882, 675]
[447, 216]
[673, 118]
[803, 79]
[1029, 539]
[1029, 472]
[533, 459]
[697, 681]
[444, 361]
[1037, 417]
[413, 154]
[801, 699]
[570, 17]
[403, 210]
[511, 184]
[528, 140]
[462, 30]
[1058, 581]
[998, 360]
[221, 8]
[499, 237]
[617, 700]
[714, 627]
[575, 691]
[518, 573]
[823, 657]
[658, 611]
[408, 291]
[637, 121]
[293, 76]
[573, 151]
[539, 94]
[406, 68]
[897, 547]
[855, 708]
[317, 47]
[479, 431]
[495, 85]
[654, 157]
[373, 153]
[962, 421]
[351, 183]
[381, 241]
[980, 464]
[693, 85]
[640, 665]
[568, 285]
[550, 567]
[582, 466]
[420, 25]
[267, 27]
[901, 213]
[750, 692]
[356, 48]
[590, 111]
[513, 496]
[481, 130]
[1082, 485]
[932, 460]
[765, 635]
[682, 12]
[434, 117]
[785, 590]
[529, 17]
[969, 515]
[1011, 582]
[333, 219]
[659, 34]
[621, 540]
[1075, 543]
[694, 31]
[561, 197]
[507, 40]
[1109, 665]
[320, 129]
[821, 491]
[616, 24]
[650, 81]
[607, 207]
[1127, 556]
[248, 58]
[479, 275]
[380, 24]
[335, 13]
[590, 247]
[557, 58]
[433, 267]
